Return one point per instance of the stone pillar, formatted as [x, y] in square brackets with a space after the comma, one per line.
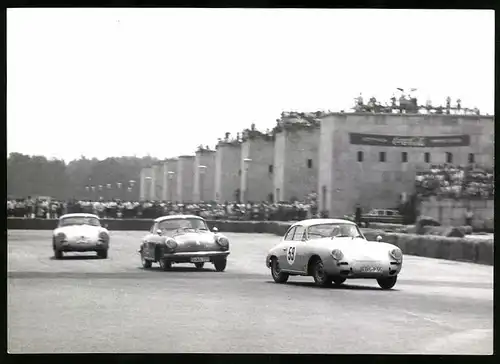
[227, 170]
[142, 185]
[204, 176]
[164, 174]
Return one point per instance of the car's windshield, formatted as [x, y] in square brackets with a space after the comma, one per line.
[79, 220]
[183, 224]
[335, 230]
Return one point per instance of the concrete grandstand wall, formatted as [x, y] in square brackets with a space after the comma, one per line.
[451, 212]
[467, 250]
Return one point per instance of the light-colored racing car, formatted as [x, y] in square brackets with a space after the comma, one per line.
[183, 239]
[333, 250]
[80, 233]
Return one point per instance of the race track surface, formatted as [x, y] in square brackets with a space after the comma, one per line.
[84, 304]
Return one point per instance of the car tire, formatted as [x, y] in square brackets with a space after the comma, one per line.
[277, 274]
[319, 275]
[103, 254]
[58, 254]
[199, 265]
[165, 264]
[338, 281]
[220, 264]
[146, 263]
[387, 282]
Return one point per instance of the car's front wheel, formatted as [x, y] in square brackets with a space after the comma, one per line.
[103, 254]
[220, 264]
[145, 263]
[199, 265]
[58, 254]
[319, 274]
[165, 264]
[278, 275]
[387, 282]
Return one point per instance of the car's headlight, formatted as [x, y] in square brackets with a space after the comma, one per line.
[337, 254]
[171, 244]
[61, 237]
[103, 236]
[223, 242]
[396, 254]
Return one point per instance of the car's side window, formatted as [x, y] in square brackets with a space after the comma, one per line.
[299, 233]
[289, 234]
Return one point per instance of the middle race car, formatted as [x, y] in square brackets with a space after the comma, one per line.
[183, 239]
[333, 250]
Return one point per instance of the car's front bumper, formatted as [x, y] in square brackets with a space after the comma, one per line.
[186, 257]
[357, 268]
[82, 247]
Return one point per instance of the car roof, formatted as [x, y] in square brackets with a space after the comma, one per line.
[79, 215]
[172, 217]
[310, 222]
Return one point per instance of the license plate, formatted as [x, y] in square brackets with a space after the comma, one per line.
[200, 259]
[371, 269]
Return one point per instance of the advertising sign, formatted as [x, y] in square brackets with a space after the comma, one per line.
[410, 141]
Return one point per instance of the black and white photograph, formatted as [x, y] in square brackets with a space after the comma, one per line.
[250, 180]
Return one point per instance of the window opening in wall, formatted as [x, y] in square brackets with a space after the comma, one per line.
[427, 157]
[381, 156]
[404, 157]
[449, 157]
[270, 168]
[309, 163]
[360, 156]
[471, 158]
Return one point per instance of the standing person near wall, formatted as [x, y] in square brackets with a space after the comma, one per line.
[468, 216]
[357, 214]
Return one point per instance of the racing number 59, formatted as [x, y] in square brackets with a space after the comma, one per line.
[290, 256]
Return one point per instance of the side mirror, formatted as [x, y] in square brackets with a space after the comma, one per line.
[214, 229]
[379, 238]
[159, 232]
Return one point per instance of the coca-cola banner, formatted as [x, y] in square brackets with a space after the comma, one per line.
[410, 141]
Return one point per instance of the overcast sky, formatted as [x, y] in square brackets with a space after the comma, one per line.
[112, 82]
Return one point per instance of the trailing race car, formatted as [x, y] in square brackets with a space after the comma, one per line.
[333, 250]
[80, 233]
[183, 239]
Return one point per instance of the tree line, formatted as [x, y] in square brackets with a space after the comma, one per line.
[110, 178]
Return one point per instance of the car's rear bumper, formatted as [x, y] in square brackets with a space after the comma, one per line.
[185, 257]
[81, 247]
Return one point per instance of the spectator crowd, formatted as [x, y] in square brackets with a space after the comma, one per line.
[116, 209]
[451, 181]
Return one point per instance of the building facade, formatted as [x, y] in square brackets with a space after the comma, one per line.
[185, 178]
[256, 165]
[371, 159]
[204, 175]
[296, 155]
[227, 170]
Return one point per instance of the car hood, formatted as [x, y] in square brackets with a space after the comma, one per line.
[77, 231]
[357, 248]
[201, 237]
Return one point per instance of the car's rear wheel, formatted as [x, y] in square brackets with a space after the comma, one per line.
[103, 254]
[220, 264]
[58, 254]
[278, 275]
[199, 265]
[146, 263]
[165, 264]
[387, 282]
[319, 274]
[338, 281]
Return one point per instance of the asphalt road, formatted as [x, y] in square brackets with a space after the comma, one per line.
[84, 304]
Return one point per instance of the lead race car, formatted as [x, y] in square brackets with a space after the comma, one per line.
[80, 233]
[333, 250]
[183, 239]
